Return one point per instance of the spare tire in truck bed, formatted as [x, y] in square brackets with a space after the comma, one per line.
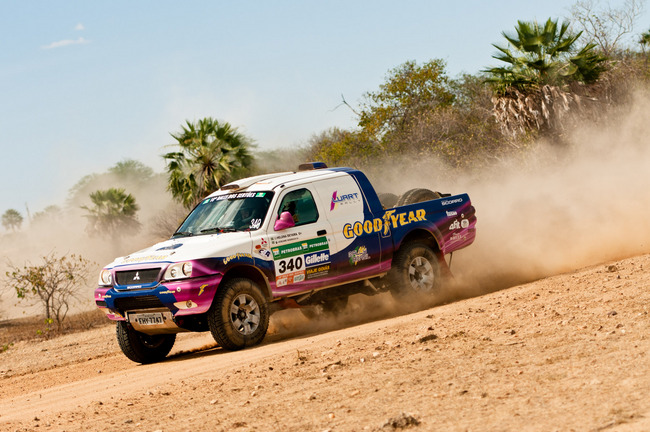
[417, 195]
[387, 200]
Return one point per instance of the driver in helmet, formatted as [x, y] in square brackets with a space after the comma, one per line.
[247, 213]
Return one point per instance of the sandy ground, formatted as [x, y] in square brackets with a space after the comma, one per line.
[569, 352]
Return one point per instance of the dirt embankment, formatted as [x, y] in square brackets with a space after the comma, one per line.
[563, 353]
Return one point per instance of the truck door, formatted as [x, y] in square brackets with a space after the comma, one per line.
[355, 255]
[301, 253]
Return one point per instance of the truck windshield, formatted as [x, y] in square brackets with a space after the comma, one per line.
[244, 211]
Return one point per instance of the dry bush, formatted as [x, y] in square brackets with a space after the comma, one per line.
[37, 328]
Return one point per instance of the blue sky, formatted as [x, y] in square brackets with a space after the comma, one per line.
[86, 84]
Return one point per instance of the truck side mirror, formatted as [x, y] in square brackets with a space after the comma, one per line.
[284, 221]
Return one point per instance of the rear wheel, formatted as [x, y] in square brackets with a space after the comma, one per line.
[239, 316]
[417, 195]
[415, 270]
[141, 347]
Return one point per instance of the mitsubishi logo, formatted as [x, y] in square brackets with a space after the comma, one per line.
[137, 276]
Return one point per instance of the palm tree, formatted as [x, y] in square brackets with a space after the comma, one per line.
[113, 213]
[544, 55]
[537, 86]
[211, 154]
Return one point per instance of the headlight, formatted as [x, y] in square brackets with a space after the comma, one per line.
[180, 270]
[105, 278]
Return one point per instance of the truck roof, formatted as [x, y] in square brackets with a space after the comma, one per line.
[266, 182]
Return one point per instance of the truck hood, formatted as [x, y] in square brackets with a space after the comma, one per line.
[190, 248]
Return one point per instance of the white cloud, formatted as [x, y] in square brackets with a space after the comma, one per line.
[66, 42]
[79, 27]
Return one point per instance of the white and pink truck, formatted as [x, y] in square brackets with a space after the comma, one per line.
[306, 239]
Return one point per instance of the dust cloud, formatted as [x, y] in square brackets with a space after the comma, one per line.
[554, 209]
[64, 232]
[560, 208]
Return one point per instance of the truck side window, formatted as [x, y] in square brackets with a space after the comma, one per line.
[300, 203]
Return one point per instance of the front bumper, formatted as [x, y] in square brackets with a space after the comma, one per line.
[181, 297]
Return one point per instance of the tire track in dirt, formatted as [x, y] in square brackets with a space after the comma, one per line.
[131, 378]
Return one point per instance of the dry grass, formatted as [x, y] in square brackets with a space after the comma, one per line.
[36, 328]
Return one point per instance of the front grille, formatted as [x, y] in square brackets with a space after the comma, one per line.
[141, 302]
[137, 277]
[100, 303]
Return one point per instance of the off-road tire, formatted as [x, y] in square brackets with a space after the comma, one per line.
[415, 270]
[239, 315]
[140, 347]
[417, 195]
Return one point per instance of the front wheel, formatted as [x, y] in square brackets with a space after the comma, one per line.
[143, 348]
[239, 316]
[415, 270]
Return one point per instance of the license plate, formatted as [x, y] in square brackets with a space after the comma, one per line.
[148, 318]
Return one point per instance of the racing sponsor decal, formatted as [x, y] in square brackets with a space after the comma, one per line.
[360, 253]
[238, 255]
[464, 223]
[292, 260]
[317, 258]
[455, 237]
[290, 278]
[452, 213]
[128, 260]
[284, 238]
[343, 199]
[390, 219]
[235, 196]
[453, 201]
[318, 271]
[300, 248]
[262, 248]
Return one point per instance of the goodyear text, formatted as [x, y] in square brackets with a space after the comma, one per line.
[379, 225]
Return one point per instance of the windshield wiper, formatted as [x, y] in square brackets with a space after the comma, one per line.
[218, 229]
[182, 234]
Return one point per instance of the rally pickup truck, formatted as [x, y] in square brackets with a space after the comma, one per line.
[306, 239]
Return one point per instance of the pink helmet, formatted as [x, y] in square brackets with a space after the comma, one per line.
[284, 221]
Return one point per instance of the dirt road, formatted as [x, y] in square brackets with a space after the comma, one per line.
[568, 352]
